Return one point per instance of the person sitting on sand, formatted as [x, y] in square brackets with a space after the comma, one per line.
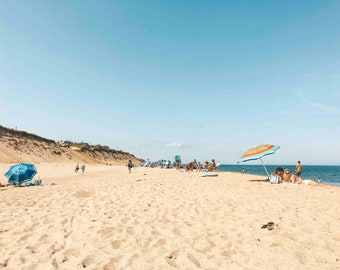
[279, 173]
[206, 165]
[191, 166]
[289, 177]
[212, 166]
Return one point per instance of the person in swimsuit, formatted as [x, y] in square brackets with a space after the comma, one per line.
[130, 165]
[298, 169]
[292, 178]
[277, 176]
[288, 177]
[212, 166]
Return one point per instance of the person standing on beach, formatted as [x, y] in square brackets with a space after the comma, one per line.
[76, 169]
[298, 169]
[130, 165]
[82, 168]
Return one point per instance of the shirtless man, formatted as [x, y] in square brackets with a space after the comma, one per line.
[279, 172]
[212, 166]
[191, 166]
[298, 169]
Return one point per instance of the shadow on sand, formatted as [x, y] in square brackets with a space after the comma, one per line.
[259, 180]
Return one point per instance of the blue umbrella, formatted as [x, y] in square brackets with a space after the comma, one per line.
[20, 173]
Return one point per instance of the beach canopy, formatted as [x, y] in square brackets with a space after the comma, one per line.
[21, 173]
[258, 152]
[146, 164]
[177, 158]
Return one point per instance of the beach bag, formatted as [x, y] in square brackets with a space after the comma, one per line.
[274, 179]
[37, 182]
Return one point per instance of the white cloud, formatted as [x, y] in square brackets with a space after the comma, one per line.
[160, 144]
[319, 106]
[173, 145]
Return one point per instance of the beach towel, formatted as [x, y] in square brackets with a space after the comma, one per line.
[209, 175]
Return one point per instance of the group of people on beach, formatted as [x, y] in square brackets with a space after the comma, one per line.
[194, 165]
[76, 169]
[177, 164]
[286, 175]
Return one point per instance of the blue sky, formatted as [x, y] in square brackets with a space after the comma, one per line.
[202, 79]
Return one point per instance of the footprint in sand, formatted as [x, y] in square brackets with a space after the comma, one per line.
[171, 259]
[116, 244]
[194, 260]
[203, 245]
[160, 242]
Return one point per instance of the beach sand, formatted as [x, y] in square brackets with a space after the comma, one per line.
[166, 219]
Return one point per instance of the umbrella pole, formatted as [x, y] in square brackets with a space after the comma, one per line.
[264, 168]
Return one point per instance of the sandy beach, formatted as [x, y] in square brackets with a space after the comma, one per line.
[156, 218]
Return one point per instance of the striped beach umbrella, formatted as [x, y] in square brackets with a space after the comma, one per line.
[258, 152]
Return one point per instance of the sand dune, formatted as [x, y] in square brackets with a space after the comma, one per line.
[20, 146]
[166, 219]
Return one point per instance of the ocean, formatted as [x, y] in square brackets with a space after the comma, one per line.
[328, 174]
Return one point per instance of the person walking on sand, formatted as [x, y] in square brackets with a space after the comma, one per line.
[76, 169]
[82, 168]
[298, 169]
[130, 165]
